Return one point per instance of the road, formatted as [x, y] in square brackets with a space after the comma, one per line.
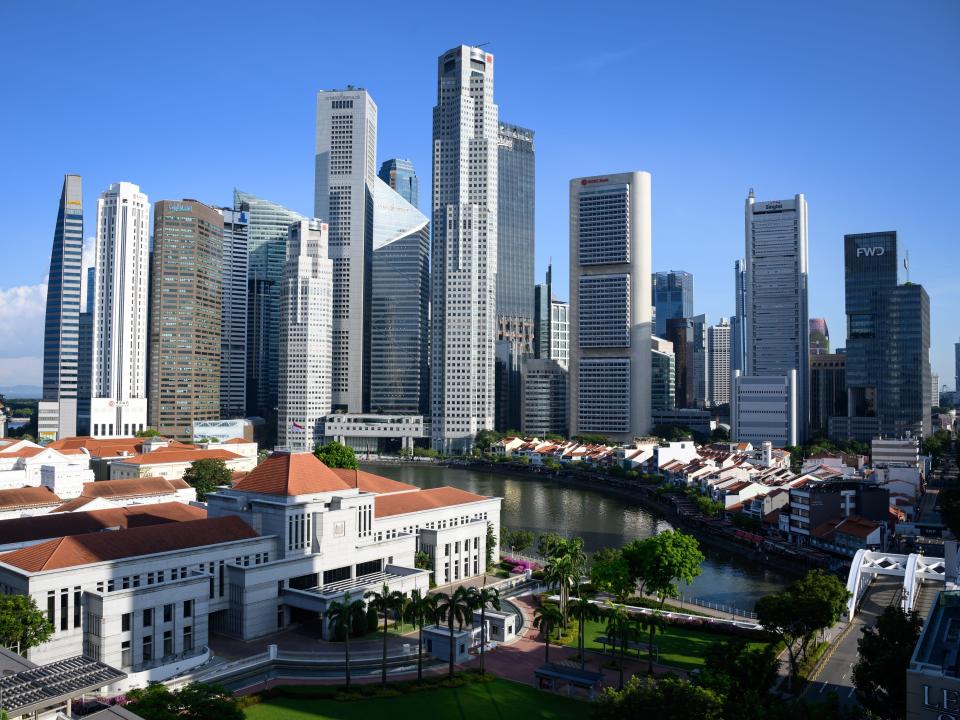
[835, 674]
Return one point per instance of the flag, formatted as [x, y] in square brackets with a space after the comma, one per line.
[296, 425]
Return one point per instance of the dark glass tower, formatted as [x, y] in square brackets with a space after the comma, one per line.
[672, 297]
[85, 360]
[542, 297]
[401, 176]
[680, 333]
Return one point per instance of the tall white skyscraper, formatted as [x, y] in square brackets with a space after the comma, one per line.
[777, 322]
[718, 363]
[610, 310]
[118, 406]
[560, 332]
[464, 274]
[346, 168]
[233, 317]
[306, 326]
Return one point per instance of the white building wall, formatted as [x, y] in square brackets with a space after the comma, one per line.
[764, 409]
[718, 358]
[560, 332]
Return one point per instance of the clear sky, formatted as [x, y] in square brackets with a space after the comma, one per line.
[854, 104]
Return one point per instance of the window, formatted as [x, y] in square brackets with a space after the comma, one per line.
[125, 623]
[51, 608]
[168, 613]
[188, 638]
[76, 606]
[147, 648]
[148, 617]
[167, 643]
[188, 608]
[64, 610]
[126, 658]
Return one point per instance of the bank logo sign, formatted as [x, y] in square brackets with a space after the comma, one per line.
[870, 251]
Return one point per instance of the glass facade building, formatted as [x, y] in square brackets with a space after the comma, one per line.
[400, 305]
[233, 323]
[828, 390]
[663, 365]
[401, 176]
[542, 301]
[672, 297]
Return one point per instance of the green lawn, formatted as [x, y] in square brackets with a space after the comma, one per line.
[495, 700]
[681, 647]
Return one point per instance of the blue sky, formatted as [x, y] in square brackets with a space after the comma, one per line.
[854, 104]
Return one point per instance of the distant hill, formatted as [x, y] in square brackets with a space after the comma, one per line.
[21, 392]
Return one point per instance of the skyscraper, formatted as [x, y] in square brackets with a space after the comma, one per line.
[718, 360]
[119, 358]
[699, 361]
[186, 300]
[738, 325]
[560, 332]
[400, 305]
[267, 231]
[346, 155]
[57, 412]
[542, 300]
[828, 390]
[663, 379]
[956, 368]
[680, 336]
[610, 316]
[401, 176]
[306, 327]
[233, 325]
[672, 297]
[819, 336]
[463, 281]
[85, 357]
[544, 398]
[777, 322]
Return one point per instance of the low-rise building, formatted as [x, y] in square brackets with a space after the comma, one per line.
[370, 433]
[27, 501]
[933, 676]
[172, 463]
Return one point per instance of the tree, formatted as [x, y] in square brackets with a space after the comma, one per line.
[824, 586]
[516, 540]
[547, 542]
[341, 616]
[421, 610]
[610, 572]
[482, 598]
[583, 609]
[545, 619]
[455, 607]
[884, 652]
[22, 625]
[406, 452]
[670, 698]
[491, 546]
[206, 475]
[196, 701]
[421, 560]
[618, 631]
[147, 433]
[485, 439]
[950, 509]
[384, 601]
[591, 439]
[742, 675]
[560, 572]
[794, 619]
[336, 455]
[552, 464]
[653, 624]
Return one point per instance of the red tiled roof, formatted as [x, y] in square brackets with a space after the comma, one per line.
[25, 452]
[368, 482]
[236, 441]
[99, 447]
[403, 503]
[74, 550]
[124, 488]
[291, 474]
[27, 497]
[41, 527]
[177, 455]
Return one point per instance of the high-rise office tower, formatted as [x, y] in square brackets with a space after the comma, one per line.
[610, 316]
[560, 332]
[663, 364]
[777, 322]
[718, 359]
[57, 411]
[888, 344]
[306, 328]
[956, 367]
[85, 357]
[672, 297]
[680, 336]
[267, 229]
[508, 379]
[186, 300]
[544, 398]
[934, 389]
[401, 176]
[819, 336]
[399, 305]
[828, 390]
[119, 403]
[542, 309]
[738, 325]
[346, 156]
[700, 362]
[464, 257]
[233, 325]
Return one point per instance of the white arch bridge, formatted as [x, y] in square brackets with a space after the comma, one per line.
[914, 569]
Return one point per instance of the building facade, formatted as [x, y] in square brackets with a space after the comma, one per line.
[542, 309]
[306, 329]
[610, 316]
[680, 336]
[718, 359]
[560, 332]
[672, 297]
[57, 412]
[738, 325]
[402, 178]
[234, 311]
[663, 363]
[346, 169]
[764, 408]
[544, 399]
[399, 306]
[118, 405]
[819, 336]
[700, 361]
[186, 300]
[464, 254]
[828, 390]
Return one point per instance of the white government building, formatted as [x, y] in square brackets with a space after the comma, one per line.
[276, 548]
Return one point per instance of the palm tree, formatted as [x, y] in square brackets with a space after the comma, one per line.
[403, 603]
[384, 602]
[618, 629]
[420, 609]
[654, 623]
[561, 572]
[545, 619]
[340, 614]
[583, 609]
[482, 598]
[454, 607]
[578, 558]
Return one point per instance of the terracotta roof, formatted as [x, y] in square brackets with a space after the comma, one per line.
[100, 447]
[168, 455]
[41, 527]
[24, 452]
[403, 503]
[368, 482]
[27, 497]
[74, 550]
[72, 506]
[125, 488]
[236, 441]
[291, 474]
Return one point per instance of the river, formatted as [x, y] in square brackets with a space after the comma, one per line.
[601, 519]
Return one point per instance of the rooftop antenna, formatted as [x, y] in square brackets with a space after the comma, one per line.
[906, 263]
[480, 45]
[751, 193]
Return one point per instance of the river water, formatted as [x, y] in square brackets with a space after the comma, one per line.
[601, 519]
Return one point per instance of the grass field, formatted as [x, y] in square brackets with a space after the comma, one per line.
[679, 647]
[495, 700]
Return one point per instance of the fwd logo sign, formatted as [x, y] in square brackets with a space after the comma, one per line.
[870, 251]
